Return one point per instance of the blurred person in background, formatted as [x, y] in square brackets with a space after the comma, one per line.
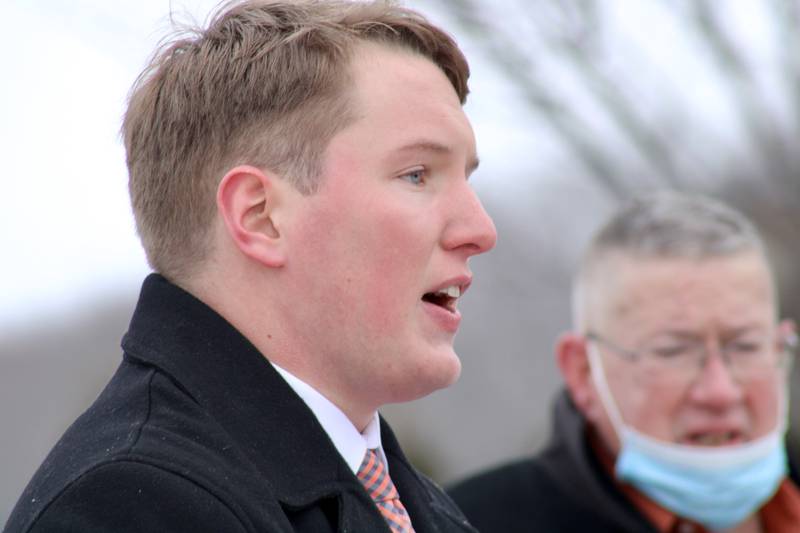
[674, 415]
[298, 175]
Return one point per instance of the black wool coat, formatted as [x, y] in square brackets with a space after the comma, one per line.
[197, 432]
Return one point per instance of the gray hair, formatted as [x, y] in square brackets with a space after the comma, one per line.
[668, 225]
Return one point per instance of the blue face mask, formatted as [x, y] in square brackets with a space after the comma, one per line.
[715, 487]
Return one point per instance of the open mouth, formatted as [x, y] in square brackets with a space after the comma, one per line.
[722, 438]
[445, 298]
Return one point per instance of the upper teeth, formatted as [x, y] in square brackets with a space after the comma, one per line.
[453, 291]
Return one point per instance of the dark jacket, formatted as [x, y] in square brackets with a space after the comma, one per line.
[197, 432]
[563, 489]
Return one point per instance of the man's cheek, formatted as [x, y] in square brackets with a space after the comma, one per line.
[765, 403]
[383, 308]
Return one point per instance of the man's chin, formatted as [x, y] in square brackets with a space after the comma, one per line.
[441, 372]
[435, 374]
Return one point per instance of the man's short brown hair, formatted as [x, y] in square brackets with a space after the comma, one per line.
[265, 84]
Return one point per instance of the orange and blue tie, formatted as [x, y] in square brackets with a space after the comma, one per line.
[373, 476]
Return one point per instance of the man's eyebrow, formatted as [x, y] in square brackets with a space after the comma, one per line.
[439, 148]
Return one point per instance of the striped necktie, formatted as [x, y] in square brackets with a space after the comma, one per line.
[373, 476]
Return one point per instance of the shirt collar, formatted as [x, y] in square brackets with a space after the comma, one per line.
[350, 444]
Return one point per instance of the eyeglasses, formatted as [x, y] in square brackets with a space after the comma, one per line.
[681, 360]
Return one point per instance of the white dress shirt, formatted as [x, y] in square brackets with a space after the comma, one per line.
[350, 444]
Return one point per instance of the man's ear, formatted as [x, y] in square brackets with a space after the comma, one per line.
[788, 330]
[248, 199]
[573, 362]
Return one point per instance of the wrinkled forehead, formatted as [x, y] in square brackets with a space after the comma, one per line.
[620, 291]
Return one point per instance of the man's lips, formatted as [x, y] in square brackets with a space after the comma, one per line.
[446, 295]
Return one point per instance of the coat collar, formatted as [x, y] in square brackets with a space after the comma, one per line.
[224, 373]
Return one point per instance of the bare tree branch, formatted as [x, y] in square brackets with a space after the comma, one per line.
[518, 66]
[580, 50]
[786, 17]
[762, 132]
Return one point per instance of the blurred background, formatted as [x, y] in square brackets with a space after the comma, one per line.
[577, 104]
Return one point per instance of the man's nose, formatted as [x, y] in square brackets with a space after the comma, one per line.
[469, 226]
[716, 385]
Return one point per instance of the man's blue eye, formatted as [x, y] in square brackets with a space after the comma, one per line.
[417, 177]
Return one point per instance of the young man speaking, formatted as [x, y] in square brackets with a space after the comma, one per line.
[298, 175]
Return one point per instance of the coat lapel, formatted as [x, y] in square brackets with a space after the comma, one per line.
[430, 509]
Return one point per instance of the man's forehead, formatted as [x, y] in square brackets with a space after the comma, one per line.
[372, 65]
[634, 267]
[404, 105]
[623, 286]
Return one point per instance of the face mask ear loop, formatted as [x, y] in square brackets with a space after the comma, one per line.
[788, 368]
[601, 384]
[783, 405]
